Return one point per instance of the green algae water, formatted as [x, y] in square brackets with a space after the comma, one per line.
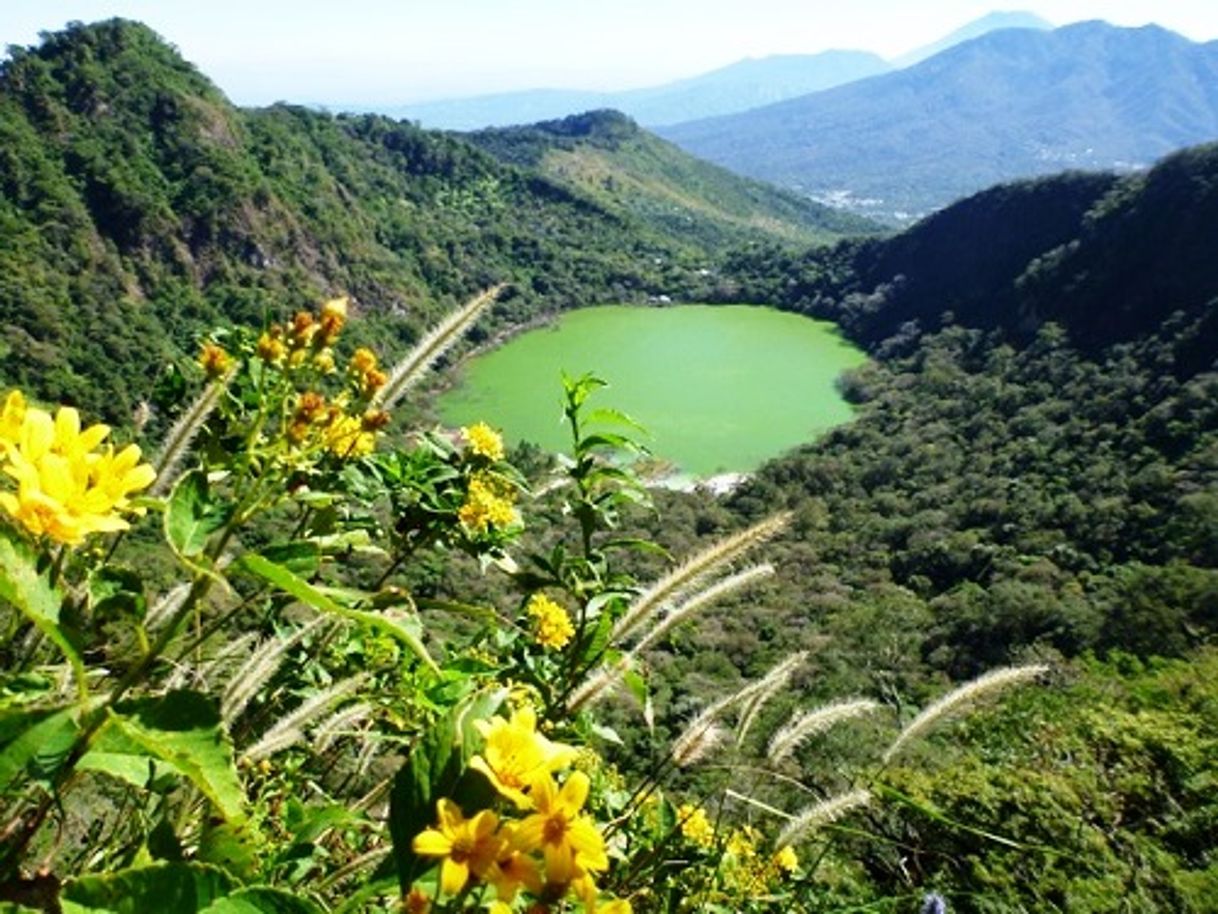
[720, 388]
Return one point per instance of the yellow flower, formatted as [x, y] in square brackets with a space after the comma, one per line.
[467, 846]
[554, 628]
[333, 316]
[570, 843]
[416, 902]
[363, 360]
[786, 860]
[743, 843]
[270, 345]
[64, 489]
[324, 361]
[515, 754]
[589, 894]
[214, 360]
[483, 441]
[695, 825]
[487, 504]
[12, 417]
[513, 869]
[346, 437]
[302, 329]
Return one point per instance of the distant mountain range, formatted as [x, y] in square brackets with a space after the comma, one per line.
[737, 87]
[740, 86]
[1012, 103]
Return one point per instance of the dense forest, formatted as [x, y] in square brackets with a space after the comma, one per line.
[1032, 478]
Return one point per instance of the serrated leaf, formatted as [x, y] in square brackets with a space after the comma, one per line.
[191, 516]
[180, 730]
[35, 597]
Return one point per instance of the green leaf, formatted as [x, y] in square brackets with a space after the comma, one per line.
[180, 888]
[232, 847]
[608, 416]
[117, 593]
[299, 556]
[405, 629]
[41, 749]
[192, 517]
[35, 598]
[181, 731]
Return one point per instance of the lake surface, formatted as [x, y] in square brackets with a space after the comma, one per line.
[720, 388]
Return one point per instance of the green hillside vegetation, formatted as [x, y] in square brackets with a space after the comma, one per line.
[606, 156]
[1108, 259]
[1032, 476]
[139, 208]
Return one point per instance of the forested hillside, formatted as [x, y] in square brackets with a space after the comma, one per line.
[606, 156]
[139, 207]
[1108, 259]
[1032, 477]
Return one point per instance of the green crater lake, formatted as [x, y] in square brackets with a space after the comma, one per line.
[720, 388]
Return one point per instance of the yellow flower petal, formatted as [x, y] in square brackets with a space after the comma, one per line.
[453, 875]
[431, 843]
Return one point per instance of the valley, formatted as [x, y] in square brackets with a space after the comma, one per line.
[355, 599]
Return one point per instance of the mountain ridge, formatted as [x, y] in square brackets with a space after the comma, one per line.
[1009, 104]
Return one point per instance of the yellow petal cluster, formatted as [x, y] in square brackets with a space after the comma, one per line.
[695, 825]
[568, 840]
[466, 846]
[488, 503]
[515, 755]
[347, 437]
[483, 441]
[67, 489]
[554, 628]
[554, 850]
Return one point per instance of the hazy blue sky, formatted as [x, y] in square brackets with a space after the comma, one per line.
[377, 51]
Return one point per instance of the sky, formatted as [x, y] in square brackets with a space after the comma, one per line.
[377, 52]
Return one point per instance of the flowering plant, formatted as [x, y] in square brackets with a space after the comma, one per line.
[274, 710]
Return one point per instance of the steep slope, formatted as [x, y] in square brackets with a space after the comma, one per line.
[1109, 259]
[138, 207]
[1011, 104]
[606, 156]
[736, 87]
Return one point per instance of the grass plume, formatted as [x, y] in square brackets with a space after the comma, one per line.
[434, 344]
[257, 671]
[805, 725]
[961, 698]
[702, 598]
[706, 720]
[182, 435]
[820, 814]
[694, 569]
[290, 729]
